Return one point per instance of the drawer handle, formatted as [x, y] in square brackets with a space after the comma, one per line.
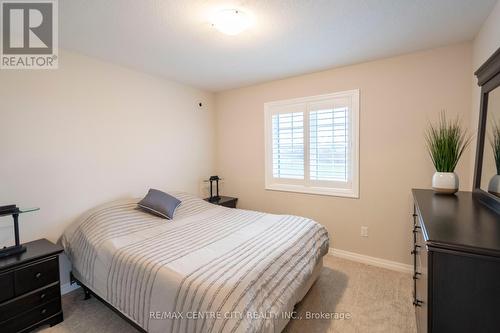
[415, 229]
[38, 275]
[415, 276]
[43, 311]
[42, 296]
[415, 251]
[417, 302]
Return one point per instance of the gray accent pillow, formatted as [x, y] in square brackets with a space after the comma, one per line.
[159, 203]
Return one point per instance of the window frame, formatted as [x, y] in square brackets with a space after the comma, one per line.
[306, 185]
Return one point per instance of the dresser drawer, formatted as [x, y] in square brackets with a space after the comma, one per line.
[24, 303]
[6, 286]
[36, 276]
[420, 275]
[421, 290]
[32, 317]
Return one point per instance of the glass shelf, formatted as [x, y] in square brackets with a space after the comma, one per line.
[28, 210]
[17, 210]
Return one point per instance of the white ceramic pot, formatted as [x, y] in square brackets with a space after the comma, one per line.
[494, 185]
[445, 182]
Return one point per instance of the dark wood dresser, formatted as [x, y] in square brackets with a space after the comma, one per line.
[456, 263]
[30, 291]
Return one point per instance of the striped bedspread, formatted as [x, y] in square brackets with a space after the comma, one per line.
[210, 269]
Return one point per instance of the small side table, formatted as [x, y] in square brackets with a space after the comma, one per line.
[229, 202]
[30, 290]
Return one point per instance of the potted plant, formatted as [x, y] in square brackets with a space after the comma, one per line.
[494, 185]
[446, 143]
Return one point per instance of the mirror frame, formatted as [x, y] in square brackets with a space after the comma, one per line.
[488, 77]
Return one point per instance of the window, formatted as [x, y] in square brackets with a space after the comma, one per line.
[312, 144]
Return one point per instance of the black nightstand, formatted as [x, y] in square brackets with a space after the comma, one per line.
[224, 201]
[30, 290]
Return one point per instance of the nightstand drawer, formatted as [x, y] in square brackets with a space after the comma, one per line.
[36, 276]
[24, 303]
[229, 202]
[6, 286]
[32, 317]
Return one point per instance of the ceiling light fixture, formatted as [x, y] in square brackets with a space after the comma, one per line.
[231, 21]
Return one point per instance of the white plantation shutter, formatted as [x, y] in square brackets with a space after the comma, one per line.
[312, 144]
[288, 145]
[329, 149]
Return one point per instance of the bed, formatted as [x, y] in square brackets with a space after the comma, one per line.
[209, 269]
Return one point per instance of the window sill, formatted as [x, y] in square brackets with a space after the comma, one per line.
[344, 193]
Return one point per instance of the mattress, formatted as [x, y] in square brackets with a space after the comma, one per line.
[209, 269]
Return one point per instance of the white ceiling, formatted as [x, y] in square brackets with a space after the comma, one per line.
[174, 39]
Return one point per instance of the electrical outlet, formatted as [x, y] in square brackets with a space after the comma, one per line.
[364, 231]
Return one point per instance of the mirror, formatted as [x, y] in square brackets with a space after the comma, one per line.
[490, 173]
[487, 168]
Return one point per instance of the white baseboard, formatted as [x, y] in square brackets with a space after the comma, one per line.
[388, 264]
[67, 288]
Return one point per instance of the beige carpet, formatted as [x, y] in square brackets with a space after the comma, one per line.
[377, 300]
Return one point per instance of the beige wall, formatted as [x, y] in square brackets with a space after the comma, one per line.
[487, 41]
[91, 132]
[398, 97]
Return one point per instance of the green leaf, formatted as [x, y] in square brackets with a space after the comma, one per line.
[446, 142]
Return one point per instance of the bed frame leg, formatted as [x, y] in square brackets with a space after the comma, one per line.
[87, 292]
